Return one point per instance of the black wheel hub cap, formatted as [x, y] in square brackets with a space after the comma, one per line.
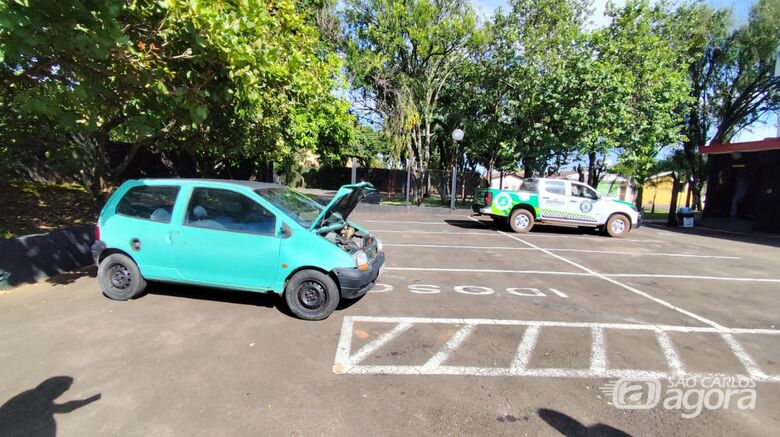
[311, 294]
[120, 277]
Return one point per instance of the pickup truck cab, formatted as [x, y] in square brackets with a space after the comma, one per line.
[557, 201]
[240, 235]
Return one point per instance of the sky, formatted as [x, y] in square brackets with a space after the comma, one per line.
[741, 8]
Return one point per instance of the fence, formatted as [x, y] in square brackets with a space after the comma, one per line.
[430, 188]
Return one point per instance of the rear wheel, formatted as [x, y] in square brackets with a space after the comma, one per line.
[311, 295]
[521, 221]
[618, 226]
[119, 277]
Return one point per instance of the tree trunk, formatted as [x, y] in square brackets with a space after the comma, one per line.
[592, 170]
[640, 191]
[671, 219]
[688, 195]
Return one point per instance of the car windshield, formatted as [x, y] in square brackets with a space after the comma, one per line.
[300, 208]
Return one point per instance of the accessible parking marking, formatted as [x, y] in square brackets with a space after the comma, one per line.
[347, 362]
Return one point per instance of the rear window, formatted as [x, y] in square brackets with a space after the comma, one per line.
[153, 203]
[530, 185]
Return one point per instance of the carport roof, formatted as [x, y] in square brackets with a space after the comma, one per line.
[749, 146]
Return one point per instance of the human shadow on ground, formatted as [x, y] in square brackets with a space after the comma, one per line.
[570, 427]
[31, 413]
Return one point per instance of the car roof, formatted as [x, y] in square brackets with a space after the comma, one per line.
[253, 185]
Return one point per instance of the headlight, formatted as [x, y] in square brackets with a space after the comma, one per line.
[379, 245]
[361, 260]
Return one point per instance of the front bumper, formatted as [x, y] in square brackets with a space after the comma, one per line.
[355, 282]
[97, 248]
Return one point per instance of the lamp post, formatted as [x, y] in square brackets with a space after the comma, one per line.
[457, 135]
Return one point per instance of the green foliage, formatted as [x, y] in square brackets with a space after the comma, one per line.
[219, 80]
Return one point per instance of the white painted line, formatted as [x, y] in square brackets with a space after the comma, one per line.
[519, 367]
[743, 357]
[345, 344]
[620, 284]
[378, 342]
[526, 347]
[451, 345]
[608, 252]
[598, 350]
[490, 232]
[670, 353]
[605, 276]
[558, 292]
[547, 323]
[709, 278]
[528, 272]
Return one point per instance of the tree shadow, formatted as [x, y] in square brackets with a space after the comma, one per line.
[570, 427]
[31, 413]
[750, 238]
[71, 277]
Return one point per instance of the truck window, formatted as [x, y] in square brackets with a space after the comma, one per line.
[147, 202]
[555, 187]
[530, 185]
[580, 190]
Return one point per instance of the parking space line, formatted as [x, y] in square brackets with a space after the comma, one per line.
[527, 345]
[597, 275]
[408, 222]
[490, 232]
[598, 368]
[451, 345]
[670, 353]
[620, 284]
[607, 252]
[598, 354]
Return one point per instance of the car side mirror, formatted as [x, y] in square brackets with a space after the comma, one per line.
[285, 231]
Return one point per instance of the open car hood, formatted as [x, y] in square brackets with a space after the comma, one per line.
[342, 204]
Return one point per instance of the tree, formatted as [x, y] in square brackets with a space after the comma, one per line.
[219, 81]
[399, 55]
[731, 72]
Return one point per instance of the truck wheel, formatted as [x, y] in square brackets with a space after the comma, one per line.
[521, 221]
[119, 277]
[618, 226]
[311, 295]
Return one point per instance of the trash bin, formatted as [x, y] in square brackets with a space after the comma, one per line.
[685, 217]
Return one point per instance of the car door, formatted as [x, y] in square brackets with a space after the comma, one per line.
[553, 200]
[584, 203]
[227, 238]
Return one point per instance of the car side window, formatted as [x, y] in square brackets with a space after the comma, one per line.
[148, 202]
[555, 187]
[226, 210]
[580, 190]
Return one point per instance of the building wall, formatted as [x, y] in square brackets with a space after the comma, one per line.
[659, 191]
[745, 186]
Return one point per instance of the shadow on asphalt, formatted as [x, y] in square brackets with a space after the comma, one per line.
[537, 229]
[31, 413]
[763, 239]
[570, 427]
[70, 277]
[267, 300]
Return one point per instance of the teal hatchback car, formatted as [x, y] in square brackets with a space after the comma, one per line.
[239, 235]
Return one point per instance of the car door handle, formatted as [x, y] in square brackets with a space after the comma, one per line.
[574, 201]
[546, 198]
[172, 234]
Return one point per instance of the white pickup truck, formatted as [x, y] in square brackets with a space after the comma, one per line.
[557, 201]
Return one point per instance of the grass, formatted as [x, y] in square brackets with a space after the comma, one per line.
[662, 215]
[433, 201]
[33, 208]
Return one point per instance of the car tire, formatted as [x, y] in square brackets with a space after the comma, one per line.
[119, 277]
[521, 221]
[311, 295]
[618, 226]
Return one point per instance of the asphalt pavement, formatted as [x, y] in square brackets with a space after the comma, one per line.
[471, 330]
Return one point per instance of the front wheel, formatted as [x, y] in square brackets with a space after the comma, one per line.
[618, 226]
[521, 221]
[311, 295]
